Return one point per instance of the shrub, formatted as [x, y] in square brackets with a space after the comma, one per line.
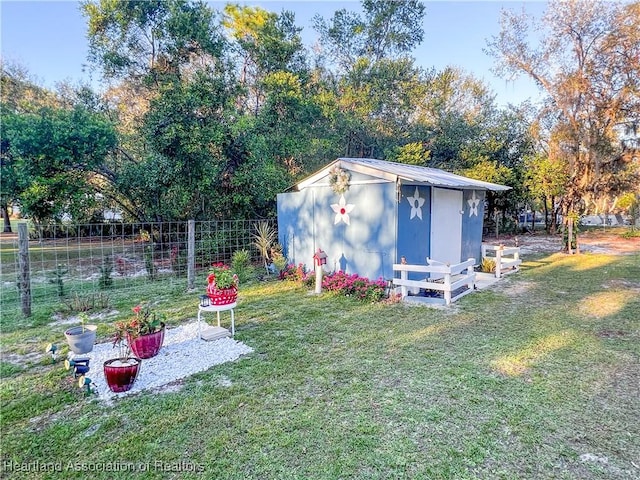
[241, 265]
[488, 265]
[278, 259]
[355, 286]
[94, 301]
[57, 278]
[294, 273]
[106, 269]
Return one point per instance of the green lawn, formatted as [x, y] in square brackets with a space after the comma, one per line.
[536, 378]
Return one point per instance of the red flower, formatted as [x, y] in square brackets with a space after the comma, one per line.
[137, 309]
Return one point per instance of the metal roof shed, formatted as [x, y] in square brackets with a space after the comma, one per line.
[368, 213]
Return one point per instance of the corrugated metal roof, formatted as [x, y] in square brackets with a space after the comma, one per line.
[406, 173]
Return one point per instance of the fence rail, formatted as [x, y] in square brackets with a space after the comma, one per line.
[453, 281]
[507, 259]
[80, 260]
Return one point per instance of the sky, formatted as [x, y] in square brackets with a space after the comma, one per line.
[49, 39]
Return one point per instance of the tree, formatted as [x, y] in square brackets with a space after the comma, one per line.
[388, 29]
[545, 181]
[266, 43]
[52, 158]
[588, 63]
[20, 94]
[150, 40]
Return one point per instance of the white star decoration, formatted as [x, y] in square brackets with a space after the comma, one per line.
[342, 209]
[416, 204]
[473, 204]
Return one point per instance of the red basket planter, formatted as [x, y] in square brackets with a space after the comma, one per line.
[222, 296]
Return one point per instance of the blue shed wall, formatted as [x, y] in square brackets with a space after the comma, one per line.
[296, 226]
[366, 246]
[414, 225]
[382, 225]
[472, 219]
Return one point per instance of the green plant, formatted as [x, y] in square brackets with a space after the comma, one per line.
[57, 278]
[106, 269]
[95, 301]
[488, 265]
[179, 262]
[278, 259]
[222, 276]
[144, 322]
[241, 264]
[263, 239]
[355, 286]
[84, 318]
[295, 273]
[152, 270]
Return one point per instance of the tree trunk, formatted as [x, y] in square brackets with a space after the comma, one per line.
[554, 217]
[7, 220]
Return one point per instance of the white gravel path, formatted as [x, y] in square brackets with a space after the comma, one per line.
[181, 355]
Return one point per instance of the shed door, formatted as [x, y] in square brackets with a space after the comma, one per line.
[446, 225]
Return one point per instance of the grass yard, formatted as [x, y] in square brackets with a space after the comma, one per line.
[536, 378]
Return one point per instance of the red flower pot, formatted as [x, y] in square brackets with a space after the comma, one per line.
[147, 346]
[121, 373]
[222, 296]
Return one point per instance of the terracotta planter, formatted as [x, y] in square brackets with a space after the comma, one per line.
[147, 346]
[120, 374]
[81, 340]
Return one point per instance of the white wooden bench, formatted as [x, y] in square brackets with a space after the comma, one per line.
[445, 278]
[507, 258]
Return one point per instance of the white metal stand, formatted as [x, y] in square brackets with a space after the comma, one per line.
[217, 309]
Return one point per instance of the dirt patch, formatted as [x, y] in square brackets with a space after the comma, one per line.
[619, 284]
[612, 333]
[609, 242]
[518, 289]
[25, 360]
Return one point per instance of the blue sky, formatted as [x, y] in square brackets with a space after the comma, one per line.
[49, 37]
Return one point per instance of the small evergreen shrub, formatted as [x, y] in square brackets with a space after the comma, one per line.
[106, 269]
[241, 265]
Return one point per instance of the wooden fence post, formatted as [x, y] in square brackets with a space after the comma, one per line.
[404, 275]
[191, 255]
[24, 279]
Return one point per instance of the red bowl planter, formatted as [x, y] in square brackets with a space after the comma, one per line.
[147, 346]
[121, 374]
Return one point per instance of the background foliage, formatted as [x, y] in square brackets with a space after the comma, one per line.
[208, 114]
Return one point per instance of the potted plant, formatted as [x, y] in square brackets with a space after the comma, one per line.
[121, 372]
[222, 287]
[143, 332]
[81, 338]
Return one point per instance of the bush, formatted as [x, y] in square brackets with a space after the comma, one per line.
[241, 265]
[355, 286]
[94, 301]
[488, 265]
[106, 269]
[294, 273]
